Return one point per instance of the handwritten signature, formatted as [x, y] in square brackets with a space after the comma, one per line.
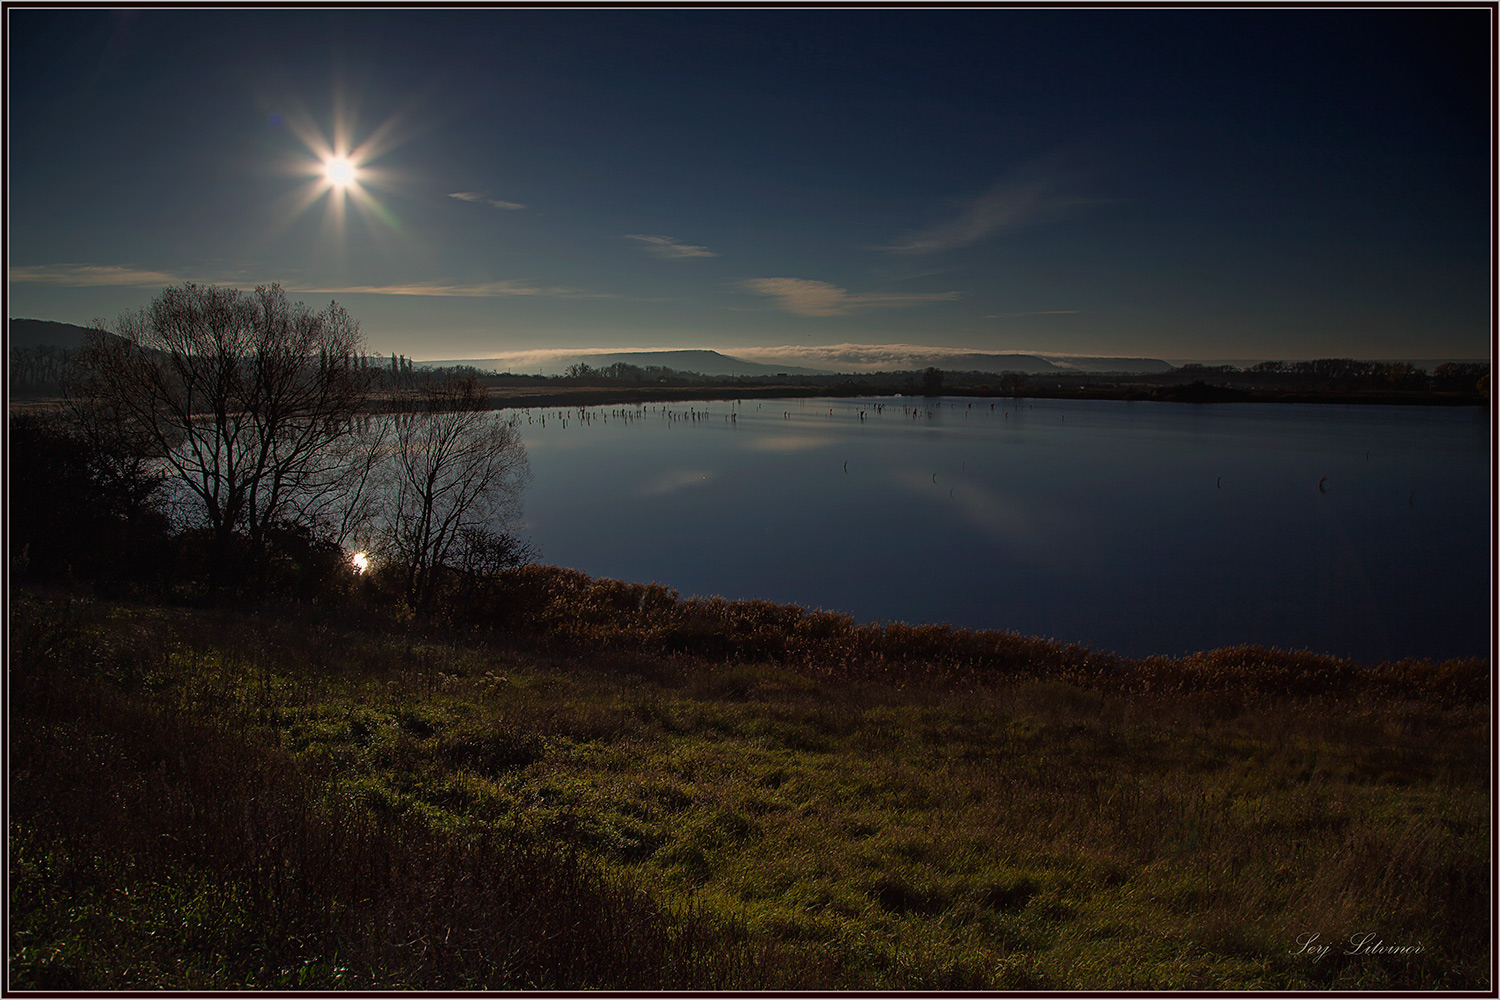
[1359, 944]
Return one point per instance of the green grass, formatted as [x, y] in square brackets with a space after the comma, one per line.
[762, 821]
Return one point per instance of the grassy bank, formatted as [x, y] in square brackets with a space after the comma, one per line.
[605, 786]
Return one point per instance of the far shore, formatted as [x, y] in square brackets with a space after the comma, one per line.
[507, 397]
[602, 394]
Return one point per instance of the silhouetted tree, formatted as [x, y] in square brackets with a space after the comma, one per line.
[932, 382]
[458, 473]
[1012, 382]
[624, 371]
[1458, 376]
[483, 551]
[241, 396]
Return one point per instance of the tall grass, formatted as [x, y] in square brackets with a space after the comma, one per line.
[154, 848]
[607, 786]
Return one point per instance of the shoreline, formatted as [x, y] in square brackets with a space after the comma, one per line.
[528, 396]
[520, 398]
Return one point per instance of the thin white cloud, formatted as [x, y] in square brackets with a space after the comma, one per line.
[670, 248]
[90, 275]
[805, 297]
[487, 290]
[100, 275]
[1031, 195]
[480, 198]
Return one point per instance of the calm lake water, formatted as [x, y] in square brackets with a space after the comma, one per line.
[1127, 526]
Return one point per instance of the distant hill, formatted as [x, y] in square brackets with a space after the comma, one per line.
[702, 362]
[1031, 364]
[44, 333]
[714, 363]
[1130, 366]
[37, 355]
[1042, 364]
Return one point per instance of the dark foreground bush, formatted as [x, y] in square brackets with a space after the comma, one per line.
[78, 511]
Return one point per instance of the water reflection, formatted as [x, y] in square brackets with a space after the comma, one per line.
[1139, 527]
[788, 442]
[671, 482]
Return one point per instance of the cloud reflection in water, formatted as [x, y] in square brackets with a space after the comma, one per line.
[674, 482]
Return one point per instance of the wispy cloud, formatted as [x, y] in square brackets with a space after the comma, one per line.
[90, 275]
[489, 289]
[1031, 195]
[670, 248]
[805, 297]
[87, 275]
[480, 198]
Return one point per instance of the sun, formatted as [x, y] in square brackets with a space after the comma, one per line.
[339, 171]
[360, 561]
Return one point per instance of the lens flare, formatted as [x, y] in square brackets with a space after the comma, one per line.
[342, 175]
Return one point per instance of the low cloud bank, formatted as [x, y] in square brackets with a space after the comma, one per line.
[860, 357]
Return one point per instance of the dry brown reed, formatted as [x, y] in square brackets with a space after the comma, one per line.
[572, 610]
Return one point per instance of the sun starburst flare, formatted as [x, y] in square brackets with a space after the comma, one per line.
[339, 173]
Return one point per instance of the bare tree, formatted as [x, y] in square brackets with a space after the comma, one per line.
[242, 396]
[458, 471]
[343, 504]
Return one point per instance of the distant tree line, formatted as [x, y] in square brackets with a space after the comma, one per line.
[1348, 373]
[38, 369]
[622, 371]
[1323, 373]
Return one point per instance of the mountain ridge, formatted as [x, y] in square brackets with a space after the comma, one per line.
[717, 363]
[45, 333]
[702, 361]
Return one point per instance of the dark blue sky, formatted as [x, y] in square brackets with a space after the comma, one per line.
[1275, 183]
